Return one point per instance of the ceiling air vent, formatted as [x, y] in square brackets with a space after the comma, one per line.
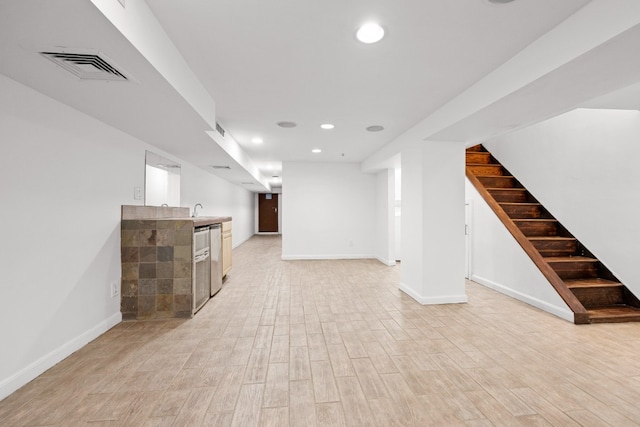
[219, 129]
[86, 66]
[220, 167]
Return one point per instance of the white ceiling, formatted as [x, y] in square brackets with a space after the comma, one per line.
[279, 60]
[291, 60]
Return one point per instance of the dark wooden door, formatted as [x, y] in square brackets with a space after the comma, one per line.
[268, 213]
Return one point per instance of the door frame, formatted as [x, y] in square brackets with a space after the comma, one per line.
[256, 215]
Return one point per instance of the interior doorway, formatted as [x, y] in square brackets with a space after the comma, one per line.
[267, 213]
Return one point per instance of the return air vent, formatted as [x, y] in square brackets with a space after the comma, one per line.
[220, 167]
[219, 129]
[86, 66]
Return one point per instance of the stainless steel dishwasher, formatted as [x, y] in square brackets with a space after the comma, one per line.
[216, 258]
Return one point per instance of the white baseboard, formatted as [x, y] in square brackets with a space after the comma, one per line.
[387, 262]
[317, 257]
[28, 373]
[445, 299]
[561, 312]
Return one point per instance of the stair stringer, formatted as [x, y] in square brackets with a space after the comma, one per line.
[580, 313]
[499, 262]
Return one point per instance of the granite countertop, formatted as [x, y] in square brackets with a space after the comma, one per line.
[165, 213]
[200, 221]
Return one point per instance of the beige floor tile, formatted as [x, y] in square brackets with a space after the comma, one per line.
[249, 404]
[354, 402]
[276, 393]
[335, 342]
[302, 408]
[275, 417]
[330, 414]
[324, 385]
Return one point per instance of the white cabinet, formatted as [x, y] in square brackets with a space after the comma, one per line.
[227, 246]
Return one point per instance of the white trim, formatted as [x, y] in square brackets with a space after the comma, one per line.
[28, 373]
[445, 299]
[468, 219]
[386, 262]
[561, 312]
[312, 257]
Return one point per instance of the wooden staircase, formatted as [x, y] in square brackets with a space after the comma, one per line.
[591, 291]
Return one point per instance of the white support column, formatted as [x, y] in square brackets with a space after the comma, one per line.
[433, 222]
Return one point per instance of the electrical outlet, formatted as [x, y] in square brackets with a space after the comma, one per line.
[137, 193]
[115, 289]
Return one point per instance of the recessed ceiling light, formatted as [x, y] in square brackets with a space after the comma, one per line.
[375, 128]
[370, 33]
[500, 1]
[316, 150]
[257, 140]
[327, 126]
[287, 124]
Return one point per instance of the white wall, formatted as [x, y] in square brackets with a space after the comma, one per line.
[398, 214]
[328, 211]
[218, 198]
[498, 261]
[64, 176]
[385, 217]
[582, 166]
[433, 222]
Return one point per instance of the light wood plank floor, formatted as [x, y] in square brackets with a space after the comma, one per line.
[333, 343]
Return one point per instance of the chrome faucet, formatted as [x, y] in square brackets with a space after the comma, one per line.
[195, 210]
[164, 205]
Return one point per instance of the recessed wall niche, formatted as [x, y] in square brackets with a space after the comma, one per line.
[161, 181]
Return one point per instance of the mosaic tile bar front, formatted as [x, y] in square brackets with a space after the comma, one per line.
[156, 268]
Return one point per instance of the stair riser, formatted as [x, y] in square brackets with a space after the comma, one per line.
[556, 248]
[523, 211]
[479, 157]
[475, 148]
[486, 169]
[625, 319]
[599, 297]
[575, 270]
[497, 181]
[509, 196]
[534, 228]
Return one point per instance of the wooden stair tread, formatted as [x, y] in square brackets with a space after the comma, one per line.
[592, 283]
[577, 279]
[570, 259]
[552, 238]
[617, 313]
[520, 203]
